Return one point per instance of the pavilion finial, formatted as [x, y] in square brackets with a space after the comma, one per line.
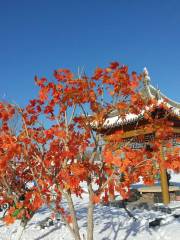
[158, 94]
[146, 77]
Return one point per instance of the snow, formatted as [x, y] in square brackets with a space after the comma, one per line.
[111, 223]
[175, 178]
[118, 120]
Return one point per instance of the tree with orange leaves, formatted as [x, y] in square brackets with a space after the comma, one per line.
[53, 154]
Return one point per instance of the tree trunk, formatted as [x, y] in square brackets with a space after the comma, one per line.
[90, 222]
[74, 218]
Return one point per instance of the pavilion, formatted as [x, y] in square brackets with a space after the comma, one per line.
[131, 125]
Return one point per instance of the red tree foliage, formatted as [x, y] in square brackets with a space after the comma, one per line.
[58, 150]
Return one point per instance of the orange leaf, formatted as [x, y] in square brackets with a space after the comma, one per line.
[8, 219]
[122, 105]
[96, 199]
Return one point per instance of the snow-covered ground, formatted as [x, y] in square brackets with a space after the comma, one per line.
[111, 223]
[175, 178]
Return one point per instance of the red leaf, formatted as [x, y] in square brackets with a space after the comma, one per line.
[96, 199]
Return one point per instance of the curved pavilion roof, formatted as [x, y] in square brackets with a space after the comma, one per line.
[149, 92]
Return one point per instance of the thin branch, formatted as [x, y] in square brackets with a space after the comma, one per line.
[72, 115]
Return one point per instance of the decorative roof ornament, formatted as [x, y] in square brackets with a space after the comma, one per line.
[146, 77]
[158, 94]
[146, 82]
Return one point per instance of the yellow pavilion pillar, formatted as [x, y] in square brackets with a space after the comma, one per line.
[164, 181]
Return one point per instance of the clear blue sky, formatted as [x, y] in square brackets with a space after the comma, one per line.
[39, 36]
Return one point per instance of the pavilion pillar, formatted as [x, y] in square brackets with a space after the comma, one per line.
[164, 181]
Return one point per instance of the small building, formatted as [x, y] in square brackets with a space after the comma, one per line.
[133, 124]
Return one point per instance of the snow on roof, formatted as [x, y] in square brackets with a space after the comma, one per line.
[148, 92]
[117, 120]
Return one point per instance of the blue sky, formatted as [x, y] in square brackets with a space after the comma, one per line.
[39, 36]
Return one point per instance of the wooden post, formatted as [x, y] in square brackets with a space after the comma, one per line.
[164, 181]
